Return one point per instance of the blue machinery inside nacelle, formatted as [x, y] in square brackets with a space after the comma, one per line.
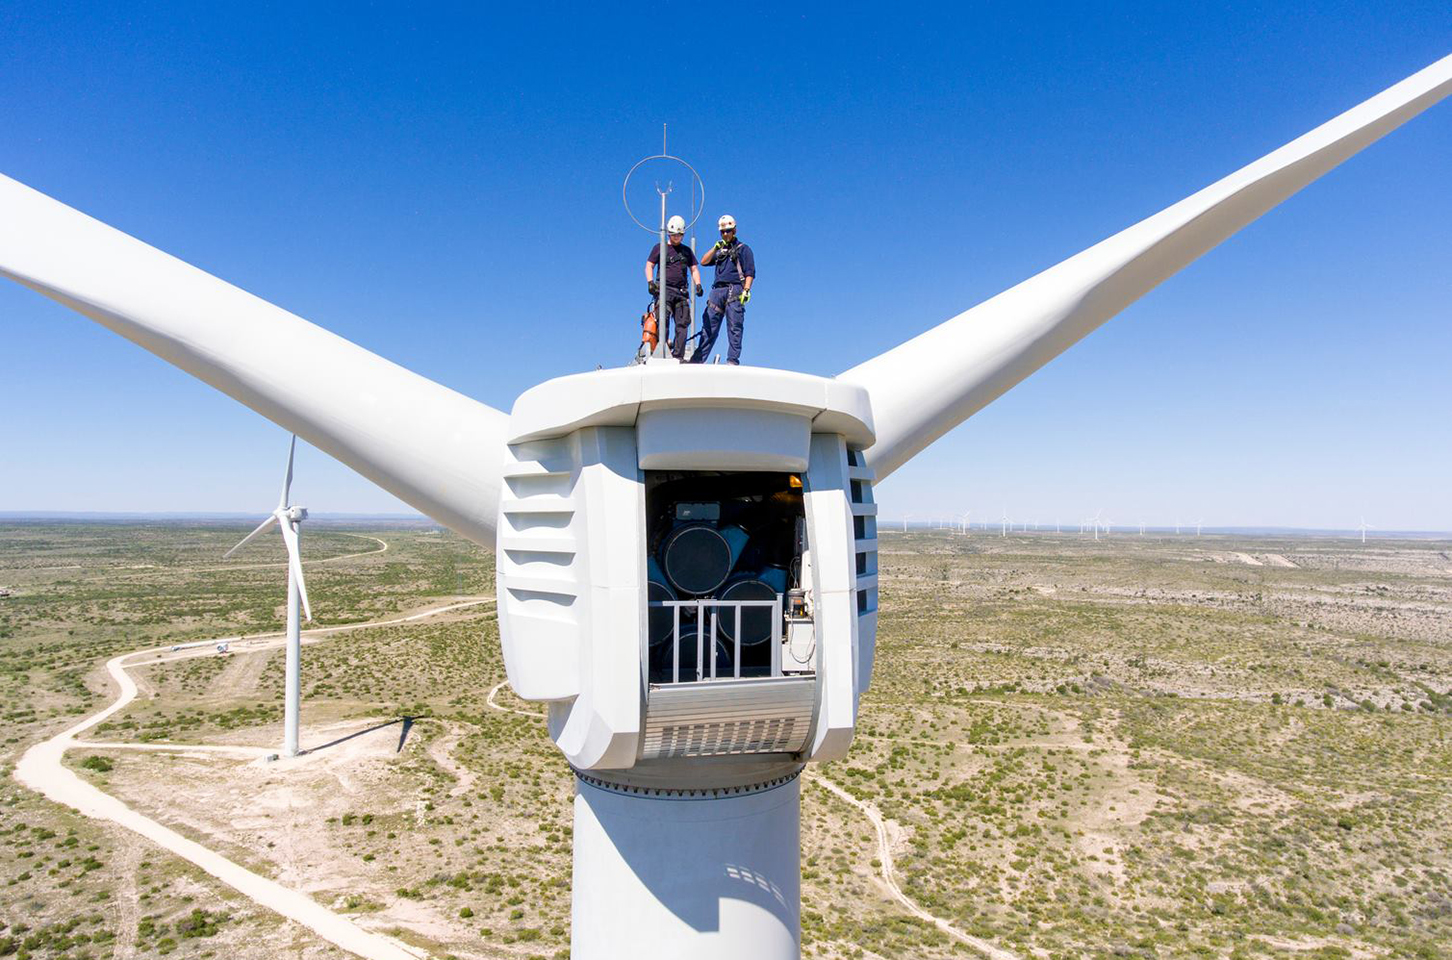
[724, 564]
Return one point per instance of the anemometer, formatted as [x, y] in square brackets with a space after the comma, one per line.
[664, 190]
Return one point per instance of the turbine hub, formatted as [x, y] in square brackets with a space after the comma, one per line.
[295, 514]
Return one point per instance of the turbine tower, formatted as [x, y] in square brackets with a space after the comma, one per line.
[671, 659]
[289, 522]
[1363, 528]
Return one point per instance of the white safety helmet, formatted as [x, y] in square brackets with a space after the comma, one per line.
[727, 222]
[676, 226]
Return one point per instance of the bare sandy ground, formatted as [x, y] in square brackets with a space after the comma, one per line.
[42, 769]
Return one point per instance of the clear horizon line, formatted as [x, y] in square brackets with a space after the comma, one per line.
[198, 515]
[886, 523]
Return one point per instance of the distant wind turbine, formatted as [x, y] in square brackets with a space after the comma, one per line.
[1363, 528]
[289, 521]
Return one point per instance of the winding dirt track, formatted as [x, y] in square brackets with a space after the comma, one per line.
[42, 770]
[884, 855]
[536, 714]
[884, 852]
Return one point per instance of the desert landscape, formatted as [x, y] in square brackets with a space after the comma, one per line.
[1154, 746]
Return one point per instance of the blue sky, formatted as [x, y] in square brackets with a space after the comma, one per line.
[444, 188]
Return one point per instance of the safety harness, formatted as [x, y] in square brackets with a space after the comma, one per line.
[674, 256]
[734, 252]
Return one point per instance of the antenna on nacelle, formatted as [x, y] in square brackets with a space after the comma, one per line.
[695, 214]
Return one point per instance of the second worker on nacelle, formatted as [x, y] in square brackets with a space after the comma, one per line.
[735, 273]
[677, 302]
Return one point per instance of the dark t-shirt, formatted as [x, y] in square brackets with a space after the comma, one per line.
[677, 260]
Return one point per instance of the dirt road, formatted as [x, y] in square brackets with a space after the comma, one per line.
[884, 854]
[42, 770]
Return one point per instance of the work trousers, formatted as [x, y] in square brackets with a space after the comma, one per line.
[678, 309]
[724, 302]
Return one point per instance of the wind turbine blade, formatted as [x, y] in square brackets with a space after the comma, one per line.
[434, 448]
[294, 563]
[248, 539]
[927, 386]
[287, 479]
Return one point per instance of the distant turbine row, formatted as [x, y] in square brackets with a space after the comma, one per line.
[1096, 525]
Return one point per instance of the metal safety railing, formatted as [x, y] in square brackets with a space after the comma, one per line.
[706, 640]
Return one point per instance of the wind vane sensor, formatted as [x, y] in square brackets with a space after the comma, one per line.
[698, 187]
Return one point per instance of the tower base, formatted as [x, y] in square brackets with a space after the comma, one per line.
[709, 874]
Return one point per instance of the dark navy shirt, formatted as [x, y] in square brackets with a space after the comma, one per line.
[731, 269]
[679, 258]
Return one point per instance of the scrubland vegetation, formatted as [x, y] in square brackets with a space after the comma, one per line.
[1143, 747]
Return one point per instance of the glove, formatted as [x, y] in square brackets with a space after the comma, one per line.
[653, 287]
[745, 297]
[700, 290]
[721, 245]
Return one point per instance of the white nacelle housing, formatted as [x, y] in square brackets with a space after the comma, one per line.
[608, 477]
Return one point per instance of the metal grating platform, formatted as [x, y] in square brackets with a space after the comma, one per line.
[723, 717]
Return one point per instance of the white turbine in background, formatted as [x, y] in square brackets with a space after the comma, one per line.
[1141, 528]
[1197, 526]
[664, 835]
[1004, 531]
[1363, 528]
[289, 521]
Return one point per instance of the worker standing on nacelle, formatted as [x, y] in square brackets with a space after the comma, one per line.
[735, 273]
[678, 303]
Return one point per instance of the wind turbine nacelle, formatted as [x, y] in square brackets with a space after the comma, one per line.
[687, 563]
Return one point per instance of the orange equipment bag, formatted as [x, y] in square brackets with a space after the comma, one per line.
[649, 330]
